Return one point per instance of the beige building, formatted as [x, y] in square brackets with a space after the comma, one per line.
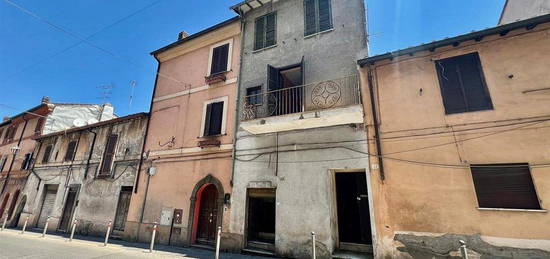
[185, 179]
[462, 127]
[85, 174]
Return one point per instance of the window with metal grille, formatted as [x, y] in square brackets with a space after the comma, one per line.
[254, 95]
[220, 57]
[26, 161]
[47, 154]
[213, 119]
[317, 16]
[507, 186]
[265, 31]
[71, 149]
[462, 84]
[108, 155]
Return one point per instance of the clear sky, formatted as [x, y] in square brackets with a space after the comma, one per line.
[97, 48]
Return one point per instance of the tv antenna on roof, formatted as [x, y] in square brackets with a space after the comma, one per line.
[106, 91]
[133, 84]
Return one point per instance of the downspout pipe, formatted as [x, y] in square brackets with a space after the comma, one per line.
[237, 103]
[91, 153]
[376, 126]
[14, 156]
[143, 148]
[33, 160]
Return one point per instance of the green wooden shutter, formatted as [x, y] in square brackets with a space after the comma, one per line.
[270, 30]
[309, 17]
[325, 17]
[259, 33]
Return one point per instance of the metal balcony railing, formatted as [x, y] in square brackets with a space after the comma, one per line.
[304, 98]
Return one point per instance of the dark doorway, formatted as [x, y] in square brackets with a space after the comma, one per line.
[286, 91]
[261, 218]
[122, 208]
[12, 205]
[4, 203]
[68, 210]
[19, 210]
[353, 208]
[208, 214]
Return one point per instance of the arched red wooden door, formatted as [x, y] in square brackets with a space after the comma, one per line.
[208, 214]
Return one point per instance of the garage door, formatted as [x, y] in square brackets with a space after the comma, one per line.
[47, 205]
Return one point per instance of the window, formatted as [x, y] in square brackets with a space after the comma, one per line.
[3, 160]
[1, 131]
[108, 155]
[265, 31]
[219, 62]
[317, 16]
[39, 125]
[254, 95]
[71, 149]
[10, 133]
[507, 186]
[47, 154]
[213, 119]
[26, 162]
[462, 84]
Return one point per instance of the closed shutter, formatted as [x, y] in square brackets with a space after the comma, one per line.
[1, 131]
[508, 186]
[47, 154]
[109, 155]
[259, 31]
[462, 84]
[325, 17]
[219, 59]
[270, 30]
[13, 131]
[3, 162]
[26, 162]
[213, 119]
[69, 155]
[310, 17]
[47, 207]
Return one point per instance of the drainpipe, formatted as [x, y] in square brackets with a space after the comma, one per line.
[376, 126]
[91, 152]
[234, 151]
[34, 162]
[13, 158]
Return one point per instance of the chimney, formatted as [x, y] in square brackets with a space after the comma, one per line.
[45, 100]
[6, 118]
[182, 35]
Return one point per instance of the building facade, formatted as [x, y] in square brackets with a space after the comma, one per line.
[85, 174]
[515, 10]
[300, 163]
[463, 138]
[18, 147]
[185, 182]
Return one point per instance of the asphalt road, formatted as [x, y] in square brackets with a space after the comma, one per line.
[31, 245]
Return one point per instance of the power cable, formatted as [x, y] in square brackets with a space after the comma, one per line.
[86, 41]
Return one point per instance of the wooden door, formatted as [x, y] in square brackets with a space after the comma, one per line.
[353, 208]
[208, 214]
[122, 208]
[69, 209]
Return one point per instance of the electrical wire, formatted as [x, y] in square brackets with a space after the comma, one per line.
[88, 42]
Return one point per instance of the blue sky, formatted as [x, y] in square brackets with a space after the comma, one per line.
[38, 60]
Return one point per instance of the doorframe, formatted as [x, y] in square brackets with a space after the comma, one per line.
[75, 202]
[335, 228]
[194, 208]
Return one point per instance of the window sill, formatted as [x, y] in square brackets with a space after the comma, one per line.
[318, 33]
[266, 48]
[516, 210]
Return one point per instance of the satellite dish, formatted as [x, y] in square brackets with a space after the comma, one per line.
[79, 122]
[92, 121]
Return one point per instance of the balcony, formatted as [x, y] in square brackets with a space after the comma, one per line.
[317, 96]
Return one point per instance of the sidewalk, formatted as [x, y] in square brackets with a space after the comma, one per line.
[56, 245]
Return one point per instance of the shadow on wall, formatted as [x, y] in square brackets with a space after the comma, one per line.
[447, 246]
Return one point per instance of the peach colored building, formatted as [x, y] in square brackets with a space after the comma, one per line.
[462, 126]
[185, 180]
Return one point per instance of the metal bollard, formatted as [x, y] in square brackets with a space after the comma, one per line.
[218, 242]
[108, 232]
[4, 224]
[153, 237]
[463, 250]
[314, 256]
[25, 225]
[72, 231]
[46, 226]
